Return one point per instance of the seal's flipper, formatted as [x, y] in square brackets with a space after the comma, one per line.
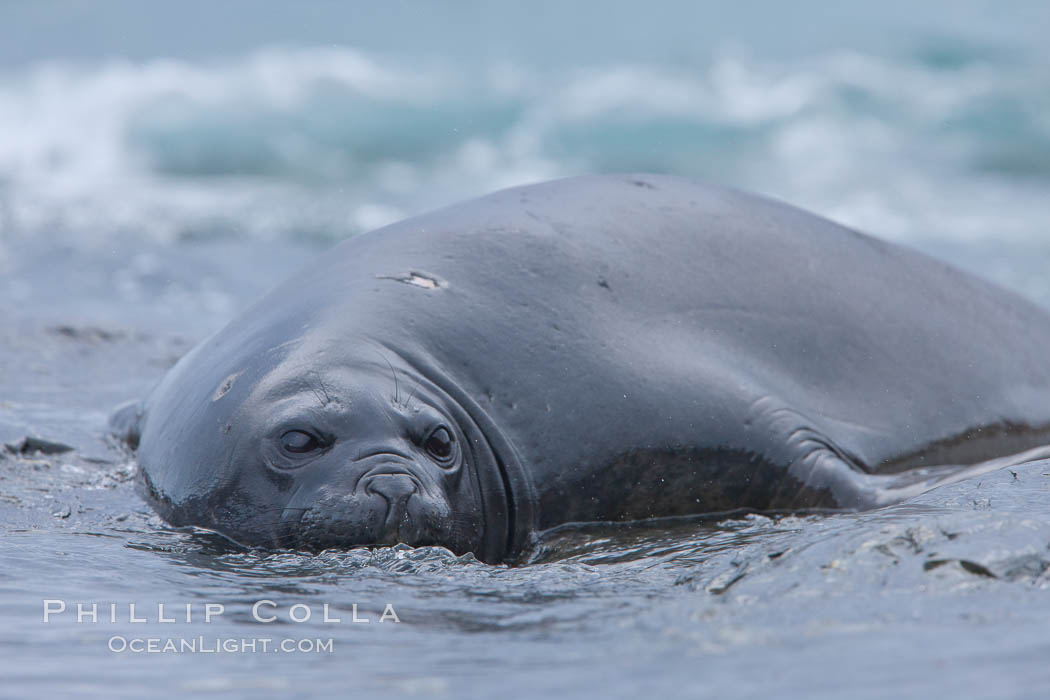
[124, 422]
[831, 476]
[886, 489]
[816, 459]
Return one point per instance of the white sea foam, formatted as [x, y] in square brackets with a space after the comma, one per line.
[328, 141]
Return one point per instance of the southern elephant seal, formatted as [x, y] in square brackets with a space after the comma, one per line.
[605, 348]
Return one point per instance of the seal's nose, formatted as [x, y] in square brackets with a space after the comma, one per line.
[395, 488]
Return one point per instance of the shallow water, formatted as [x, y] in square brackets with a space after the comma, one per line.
[158, 173]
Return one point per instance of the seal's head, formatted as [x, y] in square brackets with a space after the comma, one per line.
[292, 449]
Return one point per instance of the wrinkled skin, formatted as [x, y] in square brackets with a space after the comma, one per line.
[357, 469]
[596, 349]
[344, 456]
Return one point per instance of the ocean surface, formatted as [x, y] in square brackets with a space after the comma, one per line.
[161, 166]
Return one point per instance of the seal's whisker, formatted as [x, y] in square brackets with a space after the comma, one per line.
[393, 373]
[324, 391]
[411, 396]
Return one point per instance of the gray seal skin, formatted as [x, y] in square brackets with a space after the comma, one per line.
[595, 349]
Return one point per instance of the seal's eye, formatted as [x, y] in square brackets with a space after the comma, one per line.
[297, 442]
[439, 444]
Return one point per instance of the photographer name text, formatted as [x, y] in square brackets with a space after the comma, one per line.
[263, 611]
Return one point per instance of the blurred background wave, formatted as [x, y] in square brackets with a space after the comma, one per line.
[145, 126]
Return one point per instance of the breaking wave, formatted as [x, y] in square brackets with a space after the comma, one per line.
[327, 142]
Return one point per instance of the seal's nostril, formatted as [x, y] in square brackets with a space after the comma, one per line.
[395, 488]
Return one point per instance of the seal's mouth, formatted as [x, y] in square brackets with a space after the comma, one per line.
[390, 502]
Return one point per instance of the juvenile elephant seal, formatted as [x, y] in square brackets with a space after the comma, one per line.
[594, 349]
